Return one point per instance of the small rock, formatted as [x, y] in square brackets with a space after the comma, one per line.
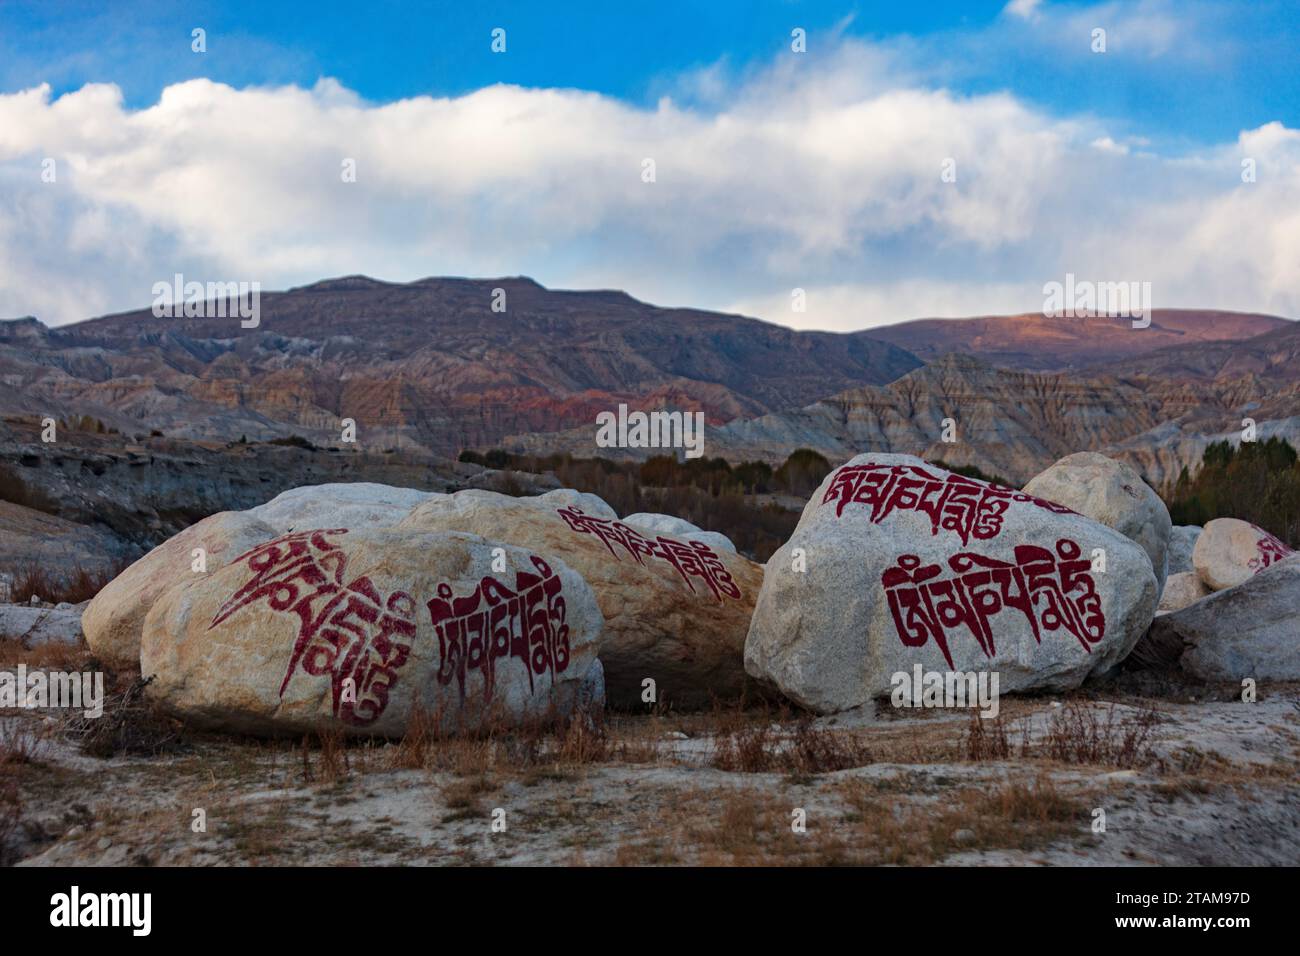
[1230, 552]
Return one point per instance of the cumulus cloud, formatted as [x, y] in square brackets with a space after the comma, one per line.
[826, 174]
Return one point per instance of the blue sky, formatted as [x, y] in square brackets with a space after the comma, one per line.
[1236, 70]
[817, 171]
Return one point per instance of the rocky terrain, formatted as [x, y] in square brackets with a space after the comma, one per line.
[1213, 782]
[428, 368]
[1009, 423]
[92, 500]
[280, 690]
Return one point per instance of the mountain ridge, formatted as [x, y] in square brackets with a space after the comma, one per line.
[428, 366]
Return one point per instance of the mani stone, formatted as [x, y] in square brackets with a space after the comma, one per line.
[113, 619]
[1230, 551]
[361, 630]
[676, 612]
[1114, 494]
[897, 563]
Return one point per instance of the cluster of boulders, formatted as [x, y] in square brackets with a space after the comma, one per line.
[357, 605]
[360, 605]
[1236, 613]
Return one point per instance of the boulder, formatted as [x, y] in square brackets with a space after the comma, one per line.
[675, 611]
[358, 630]
[1182, 590]
[680, 528]
[355, 505]
[1114, 494]
[1182, 541]
[32, 626]
[897, 563]
[1230, 552]
[113, 619]
[1246, 631]
[568, 498]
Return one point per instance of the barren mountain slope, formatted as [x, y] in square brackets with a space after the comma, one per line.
[428, 362]
[1036, 342]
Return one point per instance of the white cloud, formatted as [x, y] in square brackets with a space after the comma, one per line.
[822, 174]
[1022, 8]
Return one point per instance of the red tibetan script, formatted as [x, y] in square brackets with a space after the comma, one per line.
[1052, 591]
[1270, 550]
[496, 622]
[345, 630]
[694, 559]
[965, 506]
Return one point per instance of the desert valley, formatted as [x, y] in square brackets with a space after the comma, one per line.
[364, 587]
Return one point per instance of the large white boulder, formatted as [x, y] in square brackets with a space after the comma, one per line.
[676, 610]
[1230, 552]
[896, 563]
[113, 620]
[356, 630]
[1113, 493]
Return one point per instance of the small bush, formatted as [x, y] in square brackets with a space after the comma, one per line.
[80, 584]
[758, 748]
[130, 724]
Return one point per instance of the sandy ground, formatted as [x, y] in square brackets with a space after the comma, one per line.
[1078, 781]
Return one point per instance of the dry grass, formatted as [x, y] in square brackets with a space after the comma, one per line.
[756, 828]
[990, 739]
[429, 743]
[759, 748]
[130, 724]
[79, 584]
[20, 743]
[20, 747]
[332, 764]
[1015, 816]
[464, 798]
[1078, 734]
[51, 656]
